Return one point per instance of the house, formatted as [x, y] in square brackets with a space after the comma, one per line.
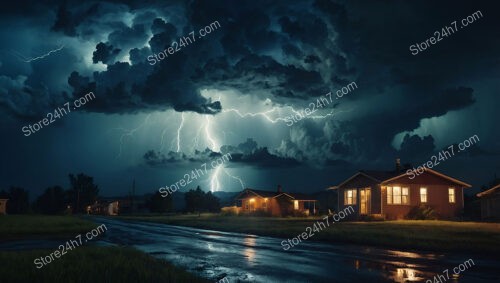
[104, 207]
[276, 203]
[393, 194]
[490, 203]
[3, 206]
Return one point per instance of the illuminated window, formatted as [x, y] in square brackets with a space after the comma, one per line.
[389, 195]
[296, 204]
[264, 204]
[405, 196]
[423, 195]
[350, 196]
[451, 195]
[398, 195]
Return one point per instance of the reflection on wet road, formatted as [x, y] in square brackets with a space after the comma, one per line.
[250, 258]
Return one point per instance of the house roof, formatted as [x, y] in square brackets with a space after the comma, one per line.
[387, 176]
[490, 191]
[456, 181]
[273, 194]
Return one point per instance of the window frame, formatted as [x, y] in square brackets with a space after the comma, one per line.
[426, 195]
[402, 196]
[352, 198]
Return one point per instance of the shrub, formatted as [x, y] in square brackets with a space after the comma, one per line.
[422, 212]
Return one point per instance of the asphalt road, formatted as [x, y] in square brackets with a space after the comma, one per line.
[250, 258]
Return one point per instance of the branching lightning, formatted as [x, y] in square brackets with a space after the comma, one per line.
[28, 60]
[235, 177]
[129, 133]
[206, 129]
[208, 135]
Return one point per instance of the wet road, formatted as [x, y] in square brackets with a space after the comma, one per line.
[249, 258]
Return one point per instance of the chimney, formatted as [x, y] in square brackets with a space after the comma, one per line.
[279, 189]
[398, 165]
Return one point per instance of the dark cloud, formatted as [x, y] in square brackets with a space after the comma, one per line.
[68, 21]
[414, 148]
[105, 53]
[246, 153]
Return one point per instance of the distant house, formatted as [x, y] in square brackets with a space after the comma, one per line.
[104, 207]
[3, 206]
[490, 203]
[276, 203]
[393, 194]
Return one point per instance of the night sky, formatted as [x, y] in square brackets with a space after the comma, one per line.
[232, 90]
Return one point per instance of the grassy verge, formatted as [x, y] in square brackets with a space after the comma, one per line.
[16, 227]
[91, 264]
[445, 236]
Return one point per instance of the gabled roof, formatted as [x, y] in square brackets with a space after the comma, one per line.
[377, 176]
[435, 173]
[271, 194]
[383, 177]
[490, 191]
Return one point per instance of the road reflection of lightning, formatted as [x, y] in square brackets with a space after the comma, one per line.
[28, 60]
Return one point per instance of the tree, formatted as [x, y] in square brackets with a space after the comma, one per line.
[52, 201]
[18, 202]
[83, 192]
[199, 201]
[160, 204]
[211, 202]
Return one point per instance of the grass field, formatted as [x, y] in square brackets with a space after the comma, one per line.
[91, 264]
[83, 264]
[429, 235]
[16, 227]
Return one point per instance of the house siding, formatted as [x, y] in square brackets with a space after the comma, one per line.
[490, 206]
[276, 206]
[437, 196]
[360, 182]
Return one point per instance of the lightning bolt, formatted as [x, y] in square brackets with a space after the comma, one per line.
[208, 135]
[235, 177]
[214, 181]
[163, 136]
[197, 137]
[129, 133]
[264, 114]
[179, 132]
[28, 60]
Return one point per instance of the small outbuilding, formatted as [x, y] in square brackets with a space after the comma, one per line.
[490, 203]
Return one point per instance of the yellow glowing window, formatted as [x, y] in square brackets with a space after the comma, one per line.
[423, 195]
[451, 195]
[296, 204]
[350, 197]
[398, 195]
